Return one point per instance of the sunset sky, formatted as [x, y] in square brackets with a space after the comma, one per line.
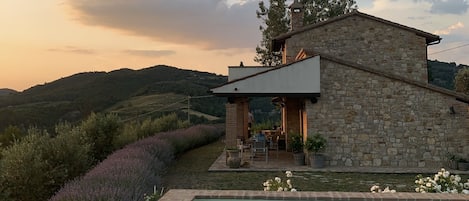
[42, 41]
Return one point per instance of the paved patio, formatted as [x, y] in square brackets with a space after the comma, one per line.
[284, 162]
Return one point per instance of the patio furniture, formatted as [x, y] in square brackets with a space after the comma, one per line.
[259, 148]
[274, 144]
[242, 147]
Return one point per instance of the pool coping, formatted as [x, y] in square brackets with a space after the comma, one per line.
[191, 194]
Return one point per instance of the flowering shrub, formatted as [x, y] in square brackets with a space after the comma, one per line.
[132, 172]
[377, 189]
[442, 182]
[277, 184]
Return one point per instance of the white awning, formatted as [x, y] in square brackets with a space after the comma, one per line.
[298, 78]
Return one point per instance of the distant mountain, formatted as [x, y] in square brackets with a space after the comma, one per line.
[73, 98]
[442, 74]
[5, 91]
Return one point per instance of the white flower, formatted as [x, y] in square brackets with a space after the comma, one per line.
[421, 181]
[465, 191]
[457, 178]
[293, 190]
[386, 190]
[446, 174]
[289, 183]
[428, 184]
[374, 188]
[278, 180]
[278, 184]
[454, 191]
[417, 189]
[466, 185]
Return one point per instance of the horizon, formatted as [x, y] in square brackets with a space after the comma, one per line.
[58, 38]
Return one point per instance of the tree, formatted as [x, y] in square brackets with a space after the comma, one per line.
[275, 21]
[461, 81]
[321, 10]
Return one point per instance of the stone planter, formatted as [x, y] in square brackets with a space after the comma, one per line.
[233, 160]
[317, 160]
[299, 158]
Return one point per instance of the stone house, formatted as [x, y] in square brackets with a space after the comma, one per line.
[362, 82]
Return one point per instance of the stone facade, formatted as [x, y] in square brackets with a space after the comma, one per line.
[374, 120]
[236, 120]
[367, 42]
[375, 108]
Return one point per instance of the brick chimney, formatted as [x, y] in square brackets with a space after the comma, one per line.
[297, 15]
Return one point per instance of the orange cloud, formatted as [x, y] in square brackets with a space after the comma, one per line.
[450, 29]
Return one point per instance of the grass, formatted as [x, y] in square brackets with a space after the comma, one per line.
[190, 172]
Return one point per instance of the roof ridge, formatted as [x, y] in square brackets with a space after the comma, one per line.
[430, 38]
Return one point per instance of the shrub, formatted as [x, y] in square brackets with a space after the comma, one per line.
[130, 173]
[10, 134]
[195, 136]
[461, 81]
[169, 122]
[125, 175]
[316, 143]
[128, 135]
[34, 168]
[441, 182]
[296, 143]
[24, 173]
[99, 131]
[135, 130]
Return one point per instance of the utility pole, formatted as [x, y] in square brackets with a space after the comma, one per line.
[188, 108]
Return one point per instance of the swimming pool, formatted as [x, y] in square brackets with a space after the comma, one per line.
[241, 195]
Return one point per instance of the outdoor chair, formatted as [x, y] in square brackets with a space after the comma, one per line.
[259, 148]
[274, 143]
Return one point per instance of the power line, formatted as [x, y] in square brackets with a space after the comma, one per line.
[159, 109]
[445, 50]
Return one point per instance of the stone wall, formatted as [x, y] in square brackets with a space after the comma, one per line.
[371, 120]
[367, 42]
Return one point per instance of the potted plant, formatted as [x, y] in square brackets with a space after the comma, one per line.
[315, 145]
[296, 145]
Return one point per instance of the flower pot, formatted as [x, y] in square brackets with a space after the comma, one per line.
[317, 160]
[233, 160]
[299, 158]
[464, 166]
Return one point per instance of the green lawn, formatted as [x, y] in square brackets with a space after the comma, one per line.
[190, 172]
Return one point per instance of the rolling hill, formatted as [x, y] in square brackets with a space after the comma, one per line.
[4, 92]
[73, 98]
[442, 74]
